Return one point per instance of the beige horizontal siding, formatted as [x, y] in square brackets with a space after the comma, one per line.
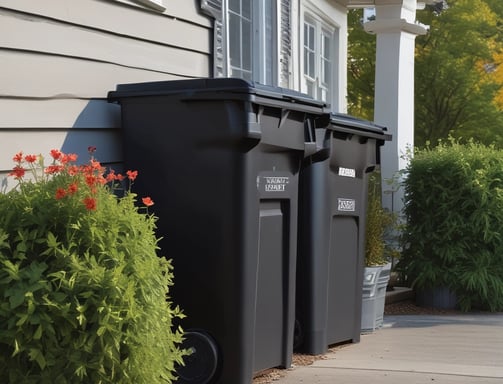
[51, 37]
[188, 10]
[117, 18]
[60, 58]
[58, 113]
[35, 75]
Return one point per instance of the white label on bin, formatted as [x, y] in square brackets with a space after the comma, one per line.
[346, 205]
[275, 183]
[348, 172]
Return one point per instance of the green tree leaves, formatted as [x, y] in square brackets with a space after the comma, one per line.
[458, 72]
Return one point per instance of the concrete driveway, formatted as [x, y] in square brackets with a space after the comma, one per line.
[450, 349]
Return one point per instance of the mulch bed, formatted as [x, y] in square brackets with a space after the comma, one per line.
[408, 307]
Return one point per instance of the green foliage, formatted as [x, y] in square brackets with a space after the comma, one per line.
[456, 85]
[454, 232]
[457, 73]
[378, 224]
[361, 67]
[84, 294]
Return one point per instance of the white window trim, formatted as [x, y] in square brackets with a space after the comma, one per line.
[317, 11]
[320, 25]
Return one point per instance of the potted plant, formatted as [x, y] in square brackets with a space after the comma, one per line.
[84, 293]
[377, 264]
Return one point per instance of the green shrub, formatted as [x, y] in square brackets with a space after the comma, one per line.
[454, 214]
[84, 294]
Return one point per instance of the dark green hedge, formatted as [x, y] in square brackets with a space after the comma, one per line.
[454, 232]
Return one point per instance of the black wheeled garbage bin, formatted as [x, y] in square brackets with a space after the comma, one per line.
[332, 210]
[221, 159]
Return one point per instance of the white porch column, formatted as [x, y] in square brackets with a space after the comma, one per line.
[396, 31]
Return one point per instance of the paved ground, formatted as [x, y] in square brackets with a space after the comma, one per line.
[418, 349]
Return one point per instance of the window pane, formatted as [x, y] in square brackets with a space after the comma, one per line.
[326, 47]
[234, 5]
[246, 8]
[327, 69]
[246, 47]
[234, 40]
[252, 39]
[311, 37]
[311, 65]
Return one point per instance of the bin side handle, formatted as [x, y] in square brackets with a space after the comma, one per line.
[254, 131]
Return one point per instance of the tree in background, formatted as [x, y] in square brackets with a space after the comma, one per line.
[458, 73]
[455, 84]
[361, 67]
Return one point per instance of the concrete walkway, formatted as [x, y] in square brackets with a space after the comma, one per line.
[450, 349]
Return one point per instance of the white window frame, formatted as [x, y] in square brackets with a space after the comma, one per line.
[240, 68]
[264, 49]
[323, 27]
[270, 54]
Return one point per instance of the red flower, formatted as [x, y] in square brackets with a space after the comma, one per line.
[18, 157]
[147, 201]
[52, 169]
[56, 154]
[30, 158]
[90, 203]
[18, 172]
[132, 175]
[119, 177]
[69, 158]
[72, 170]
[60, 193]
[95, 164]
[91, 149]
[91, 180]
[72, 188]
[110, 176]
[100, 179]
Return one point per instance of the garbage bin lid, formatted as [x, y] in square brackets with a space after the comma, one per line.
[341, 122]
[214, 88]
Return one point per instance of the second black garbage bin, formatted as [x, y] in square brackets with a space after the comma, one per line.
[221, 160]
[333, 195]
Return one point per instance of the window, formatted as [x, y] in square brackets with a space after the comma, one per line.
[240, 39]
[251, 39]
[319, 61]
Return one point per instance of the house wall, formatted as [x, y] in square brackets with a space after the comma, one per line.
[59, 59]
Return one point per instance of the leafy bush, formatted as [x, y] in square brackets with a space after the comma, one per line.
[84, 294]
[454, 232]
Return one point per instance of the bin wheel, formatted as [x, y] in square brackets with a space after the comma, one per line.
[201, 365]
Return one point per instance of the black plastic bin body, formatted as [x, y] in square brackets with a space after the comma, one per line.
[221, 159]
[332, 210]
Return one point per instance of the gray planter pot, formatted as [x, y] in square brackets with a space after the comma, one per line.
[375, 281]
